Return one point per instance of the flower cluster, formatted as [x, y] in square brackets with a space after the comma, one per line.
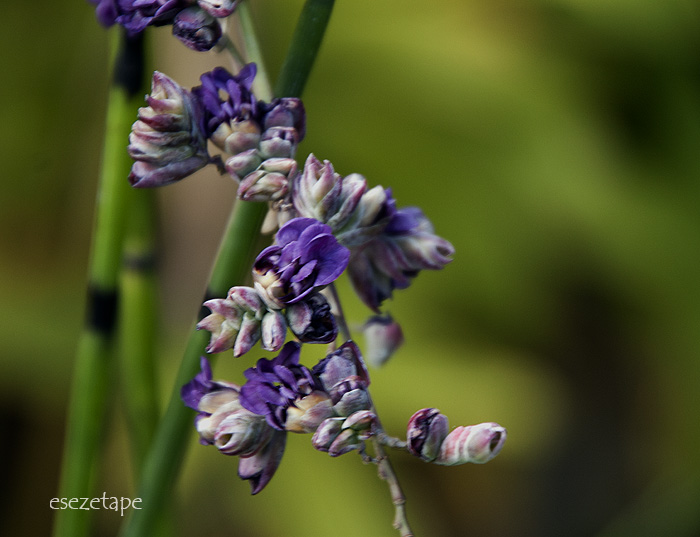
[281, 395]
[195, 23]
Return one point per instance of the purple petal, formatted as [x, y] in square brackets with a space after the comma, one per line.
[260, 468]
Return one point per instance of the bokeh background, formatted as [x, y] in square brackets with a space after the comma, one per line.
[555, 143]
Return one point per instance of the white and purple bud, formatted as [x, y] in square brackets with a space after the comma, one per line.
[311, 320]
[241, 433]
[278, 142]
[285, 112]
[270, 182]
[477, 444]
[338, 436]
[321, 193]
[427, 437]
[307, 413]
[427, 429]
[218, 8]
[196, 29]
[167, 141]
[240, 165]
[235, 321]
[342, 364]
[383, 336]
[274, 330]
[349, 396]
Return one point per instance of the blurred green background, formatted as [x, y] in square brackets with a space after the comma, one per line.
[555, 143]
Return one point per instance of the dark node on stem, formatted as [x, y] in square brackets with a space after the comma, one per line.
[129, 67]
[101, 310]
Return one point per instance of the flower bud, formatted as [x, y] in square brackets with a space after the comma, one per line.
[263, 186]
[326, 433]
[237, 136]
[474, 443]
[235, 321]
[361, 422]
[340, 365]
[427, 429]
[286, 112]
[307, 413]
[274, 330]
[197, 29]
[242, 433]
[218, 8]
[280, 142]
[311, 320]
[240, 165]
[167, 141]
[383, 336]
[349, 396]
[259, 468]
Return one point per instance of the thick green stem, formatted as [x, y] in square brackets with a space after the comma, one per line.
[91, 387]
[232, 266]
[138, 325]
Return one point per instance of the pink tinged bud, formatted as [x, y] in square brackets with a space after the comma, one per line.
[383, 336]
[237, 136]
[260, 467]
[326, 433]
[427, 429]
[248, 335]
[242, 433]
[278, 142]
[350, 396]
[274, 330]
[223, 323]
[218, 8]
[263, 186]
[474, 443]
[345, 442]
[240, 165]
[361, 422]
[287, 112]
[307, 413]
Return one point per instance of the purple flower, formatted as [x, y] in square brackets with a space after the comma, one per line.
[234, 430]
[391, 260]
[345, 378]
[167, 141]
[286, 393]
[136, 15]
[306, 257]
[232, 122]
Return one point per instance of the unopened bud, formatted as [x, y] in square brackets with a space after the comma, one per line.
[240, 165]
[307, 413]
[427, 429]
[274, 330]
[474, 443]
[311, 320]
[286, 112]
[383, 336]
[278, 142]
[197, 29]
[218, 8]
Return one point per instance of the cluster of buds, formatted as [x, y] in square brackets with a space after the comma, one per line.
[167, 141]
[337, 436]
[195, 23]
[224, 423]
[428, 438]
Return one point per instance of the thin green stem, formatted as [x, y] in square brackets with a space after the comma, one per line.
[90, 392]
[233, 265]
[261, 84]
[304, 49]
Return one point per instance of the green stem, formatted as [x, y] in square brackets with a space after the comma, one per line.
[233, 265]
[138, 325]
[91, 387]
[305, 45]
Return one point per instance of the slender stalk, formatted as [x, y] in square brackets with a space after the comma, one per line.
[94, 360]
[233, 265]
[380, 438]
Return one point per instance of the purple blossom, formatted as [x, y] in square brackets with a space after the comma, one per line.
[286, 393]
[305, 257]
[136, 15]
[391, 260]
[196, 29]
[232, 429]
[311, 320]
[239, 106]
